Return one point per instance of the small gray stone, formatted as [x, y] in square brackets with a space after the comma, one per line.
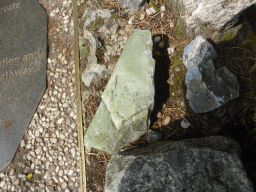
[207, 88]
[161, 44]
[94, 74]
[153, 136]
[133, 6]
[185, 123]
[157, 39]
[64, 185]
[92, 15]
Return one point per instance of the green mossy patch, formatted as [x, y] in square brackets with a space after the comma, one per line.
[180, 30]
[49, 42]
[227, 36]
[115, 16]
[95, 25]
[81, 11]
[83, 47]
[176, 89]
[176, 61]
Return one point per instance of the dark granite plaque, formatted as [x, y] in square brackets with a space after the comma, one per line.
[23, 45]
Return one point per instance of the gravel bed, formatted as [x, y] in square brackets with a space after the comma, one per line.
[49, 148]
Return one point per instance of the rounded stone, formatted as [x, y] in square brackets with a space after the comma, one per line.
[153, 136]
[166, 121]
[64, 185]
[161, 44]
[157, 39]
[185, 123]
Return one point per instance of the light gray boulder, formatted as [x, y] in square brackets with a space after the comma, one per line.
[133, 6]
[123, 115]
[94, 72]
[192, 165]
[207, 88]
[217, 13]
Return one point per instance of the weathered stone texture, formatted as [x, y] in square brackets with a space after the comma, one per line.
[207, 88]
[218, 13]
[128, 99]
[205, 164]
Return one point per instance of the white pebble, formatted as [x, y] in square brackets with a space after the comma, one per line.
[61, 173]
[16, 182]
[171, 50]
[151, 11]
[52, 14]
[55, 179]
[70, 172]
[57, 169]
[53, 140]
[37, 133]
[11, 172]
[171, 24]
[166, 121]
[60, 120]
[73, 152]
[13, 188]
[185, 123]
[46, 175]
[142, 16]
[62, 136]
[28, 146]
[64, 185]
[132, 19]
[157, 39]
[2, 184]
[162, 8]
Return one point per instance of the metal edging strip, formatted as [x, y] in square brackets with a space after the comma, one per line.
[78, 101]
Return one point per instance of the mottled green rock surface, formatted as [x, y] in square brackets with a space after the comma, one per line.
[128, 99]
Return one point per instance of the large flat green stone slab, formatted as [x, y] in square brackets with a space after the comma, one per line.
[128, 99]
[23, 45]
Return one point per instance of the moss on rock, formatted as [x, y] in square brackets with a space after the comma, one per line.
[95, 25]
[83, 47]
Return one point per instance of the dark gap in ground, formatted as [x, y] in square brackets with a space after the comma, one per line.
[160, 77]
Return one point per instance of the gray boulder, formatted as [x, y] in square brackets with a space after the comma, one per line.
[94, 72]
[207, 88]
[214, 13]
[204, 164]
